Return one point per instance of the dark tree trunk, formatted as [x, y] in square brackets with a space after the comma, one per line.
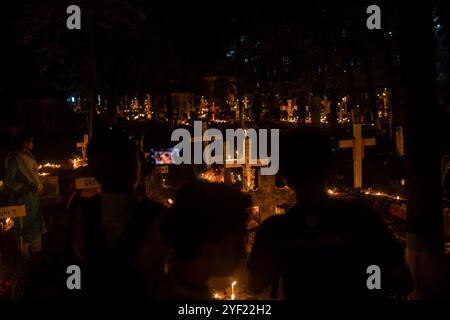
[425, 246]
[369, 82]
[393, 86]
[93, 70]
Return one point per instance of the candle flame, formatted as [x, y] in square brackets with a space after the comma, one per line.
[233, 296]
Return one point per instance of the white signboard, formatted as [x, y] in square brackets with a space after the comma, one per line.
[12, 212]
[86, 183]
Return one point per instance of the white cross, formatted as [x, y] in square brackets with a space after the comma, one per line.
[357, 143]
[246, 101]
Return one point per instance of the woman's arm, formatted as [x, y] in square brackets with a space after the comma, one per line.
[13, 181]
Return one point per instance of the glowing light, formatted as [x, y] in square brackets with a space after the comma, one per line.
[77, 163]
[9, 223]
[170, 201]
[218, 296]
[50, 165]
[233, 295]
[213, 176]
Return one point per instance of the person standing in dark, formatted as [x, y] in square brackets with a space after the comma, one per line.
[444, 143]
[257, 108]
[315, 108]
[22, 181]
[321, 248]
[110, 230]
[206, 231]
[332, 116]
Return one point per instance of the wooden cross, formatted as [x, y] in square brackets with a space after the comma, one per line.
[341, 111]
[326, 104]
[246, 101]
[247, 166]
[267, 197]
[357, 143]
[83, 146]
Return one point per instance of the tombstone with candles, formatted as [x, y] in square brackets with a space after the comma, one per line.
[266, 198]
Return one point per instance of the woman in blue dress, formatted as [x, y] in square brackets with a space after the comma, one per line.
[22, 179]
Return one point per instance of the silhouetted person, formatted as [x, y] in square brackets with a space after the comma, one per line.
[332, 116]
[111, 228]
[257, 108]
[315, 108]
[444, 143]
[206, 230]
[322, 247]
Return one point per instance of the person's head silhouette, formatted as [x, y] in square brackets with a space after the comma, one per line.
[304, 161]
[114, 161]
[206, 229]
[23, 141]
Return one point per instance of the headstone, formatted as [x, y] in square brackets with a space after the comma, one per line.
[50, 185]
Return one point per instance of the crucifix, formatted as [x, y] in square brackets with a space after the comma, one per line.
[357, 143]
[326, 104]
[340, 112]
[246, 108]
[248, 176]
[83, 146]
[246, 101]
[267, 197]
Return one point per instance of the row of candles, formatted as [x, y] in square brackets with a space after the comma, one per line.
[75, 164]
[369, 192]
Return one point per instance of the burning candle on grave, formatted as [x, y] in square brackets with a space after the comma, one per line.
[233, 295]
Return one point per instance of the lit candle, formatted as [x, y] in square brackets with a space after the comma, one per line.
[233, 296]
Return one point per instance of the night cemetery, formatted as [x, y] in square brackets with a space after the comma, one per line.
[252, 153]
